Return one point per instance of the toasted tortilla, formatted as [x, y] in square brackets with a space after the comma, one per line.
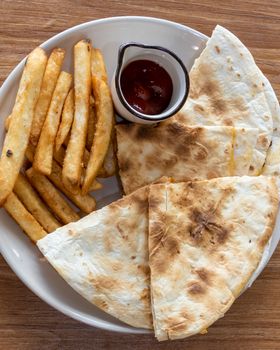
[184, 153]
[227, 88]
[104, 257]
[206, 239]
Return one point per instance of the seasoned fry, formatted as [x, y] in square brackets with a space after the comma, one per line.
[66, 120]
[48, 85]
[91, 124]
[52, 197]
[72, 167]
[86, 203]
[17, 137]
[25, 220]
[7, 122]
[45, 148]
[34, 204]
[103, 129]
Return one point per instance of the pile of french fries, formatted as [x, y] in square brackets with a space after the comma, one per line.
[65, 135]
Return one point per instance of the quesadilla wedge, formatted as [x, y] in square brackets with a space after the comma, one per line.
[104, 257]
[227, 88]
[206, 239]
[184, 153]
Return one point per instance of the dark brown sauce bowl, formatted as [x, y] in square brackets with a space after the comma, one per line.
[165, 58]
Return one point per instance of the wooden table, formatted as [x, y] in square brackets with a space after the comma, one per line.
[254, 321]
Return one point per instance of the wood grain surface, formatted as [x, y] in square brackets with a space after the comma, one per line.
[254, 320]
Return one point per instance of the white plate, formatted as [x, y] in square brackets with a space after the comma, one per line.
[22, 256]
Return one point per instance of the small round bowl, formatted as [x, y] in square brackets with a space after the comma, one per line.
[168, 60]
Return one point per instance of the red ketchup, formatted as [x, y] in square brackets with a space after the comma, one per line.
[146, 86]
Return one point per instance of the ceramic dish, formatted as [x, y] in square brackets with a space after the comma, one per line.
[23, 256]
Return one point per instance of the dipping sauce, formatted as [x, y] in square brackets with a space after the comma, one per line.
[146, 86]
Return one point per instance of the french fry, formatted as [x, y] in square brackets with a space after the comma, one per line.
[103, 129]
[17, 137]
[58, 156]
[45, 148]
[25, 220]
[52, 197]
[66, 120]
[91, 124]
[86, 203]
[7, 122]
[101, 172]
[34, 204]
[98, 68]
[48, 85]
[72, 167]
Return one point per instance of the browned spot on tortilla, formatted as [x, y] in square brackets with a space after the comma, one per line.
[218, 50]
[121, 230]
[125, 164]
[263, 141]
[145, 294]
[179, 327]
[238, 75]
[102, 304]
[251, 168]
[210, 88]
[163, 248]
[176, 323]
[195, 288]
[241, 54]
[172, 246]
[201, 154]
[206, 227]
[238, 104]
[181, 117]
[228, 122]
[204, 275]
[206, 84]
[198, 108]
[117, 266]
[144, 132]
[186, 315]
[211, 174]
[168, 161]
[218, 106]
[145, 269]
[102, 283]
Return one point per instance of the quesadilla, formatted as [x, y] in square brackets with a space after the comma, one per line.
[206, 239]
[227, 88]
[184, 153]
[104, 257]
